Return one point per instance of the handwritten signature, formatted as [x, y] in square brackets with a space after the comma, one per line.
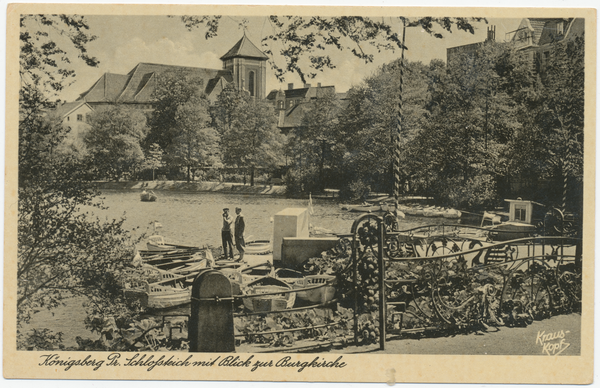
[553, 343]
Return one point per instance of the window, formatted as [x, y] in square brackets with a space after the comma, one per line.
[520, 213]
[280, 104]
[251, 83]
[560, 28]
[79, 117]
[68, 118]
[291, 103]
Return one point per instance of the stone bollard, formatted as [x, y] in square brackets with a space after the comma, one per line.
[211, 321]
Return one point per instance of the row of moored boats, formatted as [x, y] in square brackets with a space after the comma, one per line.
[163, 274]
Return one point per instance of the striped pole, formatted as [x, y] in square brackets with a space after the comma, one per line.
[397, 146]
[564, 198]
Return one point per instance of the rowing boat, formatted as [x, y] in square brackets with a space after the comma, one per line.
[277, 297]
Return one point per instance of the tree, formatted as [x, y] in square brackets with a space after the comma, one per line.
[367, 121]
[113, 140]
[472, 119]
[153, 158]
[173, 89]
[252, 139]
[62, 250]
[548, 150]
[314, 141]
[196, 142]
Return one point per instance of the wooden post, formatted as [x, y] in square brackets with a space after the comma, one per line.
[211, 320]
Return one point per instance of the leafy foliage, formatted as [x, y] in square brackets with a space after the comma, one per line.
[195, 142]
[44, 65]
[62, 250]
[173, 89]
[113, 141]
[369, 120]
[304, 40]
[314, 144]
[249, 135]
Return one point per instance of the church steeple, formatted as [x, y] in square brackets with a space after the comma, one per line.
[249, 67]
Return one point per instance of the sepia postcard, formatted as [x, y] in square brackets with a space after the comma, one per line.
[295, 193]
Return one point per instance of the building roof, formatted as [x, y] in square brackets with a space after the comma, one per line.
[139, 83]
[107, 88]
[68, 107]
[537, 27]
[246, 49]
[293, 116]
[544, 31]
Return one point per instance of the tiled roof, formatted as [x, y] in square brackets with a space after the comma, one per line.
[296, 93]
[293, 116]
[272, 94]
[216, 85]
[107, 88]
[244, 48]
[68, 107]
[139, 83]
[538, 27]
[141, 74]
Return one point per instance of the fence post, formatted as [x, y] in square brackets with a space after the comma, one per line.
[211, 320]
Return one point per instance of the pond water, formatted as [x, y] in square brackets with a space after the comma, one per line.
[195, 219]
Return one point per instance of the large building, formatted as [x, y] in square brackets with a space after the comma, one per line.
[291, 104]
[534, 38]
[244, 65]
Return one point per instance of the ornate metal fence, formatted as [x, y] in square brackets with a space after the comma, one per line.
[453, 276]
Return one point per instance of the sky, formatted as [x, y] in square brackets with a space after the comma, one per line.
[124, 41]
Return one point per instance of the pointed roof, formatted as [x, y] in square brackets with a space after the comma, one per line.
[246, 49]
[139, 84]
[144, 74]
[107, 88]
[68, 107]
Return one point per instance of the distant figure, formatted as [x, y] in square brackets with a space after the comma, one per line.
[226, 233]
[240, 244]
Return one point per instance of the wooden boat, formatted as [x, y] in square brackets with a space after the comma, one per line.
[364, 208]
[148, 196]
[522, 217]
[452, 214]
[158, 289]
[268, 285]
[157, 243]
[433, 212]
[168, 293]
[299, 281]
[258, 247]
[511, 230]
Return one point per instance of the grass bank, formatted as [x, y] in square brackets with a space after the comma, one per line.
[216, 187]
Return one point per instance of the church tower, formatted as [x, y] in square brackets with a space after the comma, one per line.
[249, 67]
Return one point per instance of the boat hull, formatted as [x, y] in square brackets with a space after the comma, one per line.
[318, 295]
[511, 230]
[254, 301]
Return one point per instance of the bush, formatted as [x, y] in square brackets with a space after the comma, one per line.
[476, 194]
